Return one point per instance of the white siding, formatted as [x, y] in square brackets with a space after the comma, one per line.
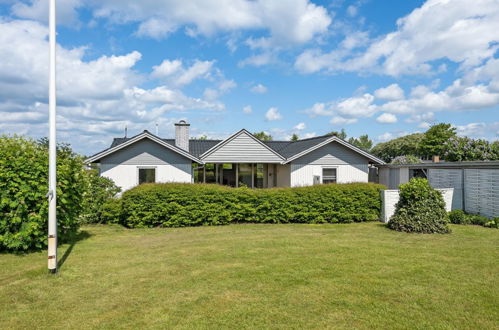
[351, 166]
[243, 149]
[122, 166]
[303, 175]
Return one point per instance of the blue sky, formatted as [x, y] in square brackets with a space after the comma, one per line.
[383, 68]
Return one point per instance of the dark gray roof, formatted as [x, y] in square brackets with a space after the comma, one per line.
[294, 148]
[464, 164]
[286, 149]
[196, 147]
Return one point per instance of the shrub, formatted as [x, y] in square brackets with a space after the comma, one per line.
[458, 217]
[110, 211]
[23, 189]
[177, 205]
[479, 220]
[420, 209]
[98, 191]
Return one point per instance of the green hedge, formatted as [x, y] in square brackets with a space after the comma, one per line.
[178, 205]
[459, 217]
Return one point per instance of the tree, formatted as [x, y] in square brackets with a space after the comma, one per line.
[363, 142]
[342, 135]
[23, 189]
[405, 145]
[202, 137]
[263, 136]
[294, 137]
[459, 149]
[433, 142]
[409, 159]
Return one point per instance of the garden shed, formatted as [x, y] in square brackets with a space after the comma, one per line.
[476, 184]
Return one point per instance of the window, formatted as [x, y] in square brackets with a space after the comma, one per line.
[328, 175]
[147, 175]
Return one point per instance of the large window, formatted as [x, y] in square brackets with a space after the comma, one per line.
[147, 175]
[328, 175]
[245, 175]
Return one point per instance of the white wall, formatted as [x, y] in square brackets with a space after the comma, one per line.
[303, 175]
[350, 165]
[390, 198]
[122, 166]
[126, 176]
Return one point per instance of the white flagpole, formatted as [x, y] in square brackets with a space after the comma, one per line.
[52, 225]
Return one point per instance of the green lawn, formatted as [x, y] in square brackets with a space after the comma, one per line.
[259, 276]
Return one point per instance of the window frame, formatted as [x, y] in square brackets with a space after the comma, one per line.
[147, 168]
[327, 176]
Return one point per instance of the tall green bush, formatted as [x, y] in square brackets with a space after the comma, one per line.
[178, 205]
[420, 209]
[98, 191]
[23, 189]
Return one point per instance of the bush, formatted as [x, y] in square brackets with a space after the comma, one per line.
[98, 191]
[110, 211]
[461, 218]
[23, 189]
[178, 205]
[420, 209]
[458, 217]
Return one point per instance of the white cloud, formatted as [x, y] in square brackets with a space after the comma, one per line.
[319, 109]
[38, 10]
[259, 89]
[300, 126]
[479, 130]
[247, 109]
[309, 135]
[176, 74]
[391, 92]
[288, 22]
[96, 98]
[358, 106]
[439, 29]
[352, 11]
[338, 120]
[386, 118]
[273, 114]
[385, 137]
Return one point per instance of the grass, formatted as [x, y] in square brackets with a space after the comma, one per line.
[259, 276]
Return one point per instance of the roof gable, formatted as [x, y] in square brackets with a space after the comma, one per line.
[139, 137]
[242, 147]
[326, 140]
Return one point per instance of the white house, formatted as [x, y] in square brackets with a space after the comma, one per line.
[239, 160]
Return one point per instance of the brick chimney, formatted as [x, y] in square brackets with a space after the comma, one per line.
[436, 159]
[182, 135]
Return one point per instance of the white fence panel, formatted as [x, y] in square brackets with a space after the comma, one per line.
[391, 197]
[482, 192]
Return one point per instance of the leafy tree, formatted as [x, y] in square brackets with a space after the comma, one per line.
[405, 145]
[342, 134]
[23, 189]
[202, 137]
[363, 142]
[409, 159]
[465, 149]
[294, 137]
[263, 136]
[99, 190]
[433, 142]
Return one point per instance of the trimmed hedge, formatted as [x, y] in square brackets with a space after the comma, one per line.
[179, 205]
